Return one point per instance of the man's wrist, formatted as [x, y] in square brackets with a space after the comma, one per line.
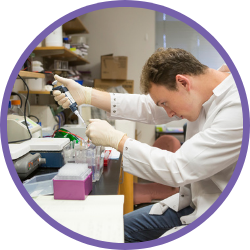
[122, 142]
[87, 94]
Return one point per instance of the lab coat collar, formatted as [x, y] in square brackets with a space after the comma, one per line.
[223, 86]
[218, 91]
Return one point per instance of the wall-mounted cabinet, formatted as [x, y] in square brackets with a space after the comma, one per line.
[74, 26]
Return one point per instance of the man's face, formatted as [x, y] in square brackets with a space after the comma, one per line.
[175, 102]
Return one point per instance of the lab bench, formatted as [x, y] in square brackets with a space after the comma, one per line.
[108, 183]
[103, 199]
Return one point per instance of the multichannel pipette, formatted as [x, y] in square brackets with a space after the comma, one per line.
[73, 105]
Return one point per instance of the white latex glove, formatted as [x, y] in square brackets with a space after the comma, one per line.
[101, 133]
[81, 94]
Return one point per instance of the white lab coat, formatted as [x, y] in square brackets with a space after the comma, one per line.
[203, 165]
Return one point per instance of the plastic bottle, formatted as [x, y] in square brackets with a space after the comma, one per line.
[55, 38]
[66, 43]
[10, 111]
[16, 107]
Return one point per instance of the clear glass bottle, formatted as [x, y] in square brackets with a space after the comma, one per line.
[15, 106]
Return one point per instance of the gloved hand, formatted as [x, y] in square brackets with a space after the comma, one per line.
[101, 133]
[82, 95]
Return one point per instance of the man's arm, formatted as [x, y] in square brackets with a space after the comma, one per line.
[135, 107]
[101, 100]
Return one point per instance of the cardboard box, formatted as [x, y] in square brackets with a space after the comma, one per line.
[128, 85]
[114, 67]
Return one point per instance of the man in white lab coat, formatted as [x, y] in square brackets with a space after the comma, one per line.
[175, 86]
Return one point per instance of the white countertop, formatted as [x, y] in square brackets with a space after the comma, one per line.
[98, 217]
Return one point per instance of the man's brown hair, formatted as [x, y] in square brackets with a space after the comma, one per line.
[163, 66]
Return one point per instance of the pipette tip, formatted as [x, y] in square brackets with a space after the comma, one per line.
[79, 116]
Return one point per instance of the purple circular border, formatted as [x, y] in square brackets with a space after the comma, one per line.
[135, 4]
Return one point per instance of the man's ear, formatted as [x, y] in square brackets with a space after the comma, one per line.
[183, 81]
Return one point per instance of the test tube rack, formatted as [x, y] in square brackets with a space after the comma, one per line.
[93, 156]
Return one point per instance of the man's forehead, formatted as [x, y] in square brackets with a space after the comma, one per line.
[157, 88]
[157, 92]
[153, 86]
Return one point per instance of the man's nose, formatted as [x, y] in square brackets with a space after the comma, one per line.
[170, 112]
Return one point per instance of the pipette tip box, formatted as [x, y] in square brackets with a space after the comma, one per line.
[72, 189]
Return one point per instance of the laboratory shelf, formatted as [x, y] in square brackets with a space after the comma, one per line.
[35, 92]
[28, 74]
[74, 26]
[60, 53]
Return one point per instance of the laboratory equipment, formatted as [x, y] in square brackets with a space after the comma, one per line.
[66, 43]
[65, 64]
[17, 129]
[64, 133]
[73, 182]
[40, 185]
[24, 162]
[73, 105]
[57, 64]
[55, 38]
[37, 66]
[93, 156]
[106, 159]
[36, 84]
[10, 111]
[15, 106]
[76, 129]
[73, 171]
[69, 153]
[99, 162]
[49, 148]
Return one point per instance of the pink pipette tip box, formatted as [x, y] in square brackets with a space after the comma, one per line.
[72, 189]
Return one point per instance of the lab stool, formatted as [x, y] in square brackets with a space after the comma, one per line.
[150, 193]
